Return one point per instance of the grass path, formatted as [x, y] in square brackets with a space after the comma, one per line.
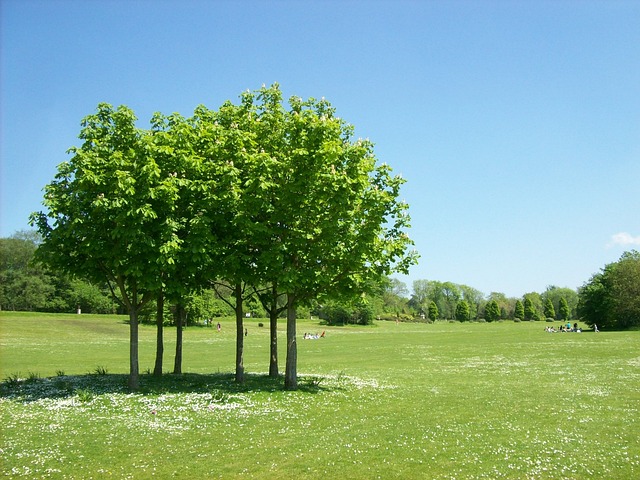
[441, 401]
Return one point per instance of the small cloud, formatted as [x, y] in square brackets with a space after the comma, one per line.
[623, 238]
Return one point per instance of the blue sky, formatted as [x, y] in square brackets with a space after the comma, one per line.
[515, 123]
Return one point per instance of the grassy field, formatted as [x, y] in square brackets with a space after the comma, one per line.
[441, 401]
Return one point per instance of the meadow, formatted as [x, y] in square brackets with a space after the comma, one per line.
[432, 401]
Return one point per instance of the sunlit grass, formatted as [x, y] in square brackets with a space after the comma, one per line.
[441, 401]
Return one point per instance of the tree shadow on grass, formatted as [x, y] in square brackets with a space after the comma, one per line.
[66, 386]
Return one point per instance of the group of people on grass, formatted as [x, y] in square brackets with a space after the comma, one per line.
[313, 336]
[564, 328]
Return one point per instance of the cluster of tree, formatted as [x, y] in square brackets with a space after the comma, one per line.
[255, 199]
[611, 298]
[446, 300]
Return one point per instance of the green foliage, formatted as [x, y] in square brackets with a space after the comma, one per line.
[564, 310]
[611, 298]
[206, 305]
[519, 310]
[530, 312]
[462, 311]
[433, 311]
[338, 312]
[90, 298]
[492, 311]
[84, 395]
[24, 284]
[446, 296]
[556, 294]
[549, 311]
[27, 285]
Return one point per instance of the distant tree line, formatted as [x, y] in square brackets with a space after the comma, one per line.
[450, 301]
[610, 299]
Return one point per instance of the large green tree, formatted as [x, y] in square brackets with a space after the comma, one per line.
[611, 298]
[104, 211]
[320, 216]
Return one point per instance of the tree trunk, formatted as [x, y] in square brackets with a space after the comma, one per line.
[132, 307]
[177, 365]
[157, 369]
[291, 376]
[239, 335]
[273, 332]
[134, 370]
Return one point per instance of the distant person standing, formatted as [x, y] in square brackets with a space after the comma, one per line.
[219, 326]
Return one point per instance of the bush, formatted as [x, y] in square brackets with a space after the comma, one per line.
[336, 314]
[549, 319]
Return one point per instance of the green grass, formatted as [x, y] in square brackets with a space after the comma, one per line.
[441, 401]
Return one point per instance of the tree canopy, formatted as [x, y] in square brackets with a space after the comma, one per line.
[611, 298]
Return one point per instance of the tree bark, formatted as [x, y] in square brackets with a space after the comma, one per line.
[291, 375]
[134, 370]
[177, 365]
[239, 335]
[132, 307]
[273, 333]
[157, 369]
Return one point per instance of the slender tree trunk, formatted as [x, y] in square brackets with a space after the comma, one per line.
[273, 333]
[157, 369]
[177, 365]
[131, 303]
[239, 335]
[291, 375]
[134, 370]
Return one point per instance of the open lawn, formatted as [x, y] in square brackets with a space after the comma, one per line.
[441, 401]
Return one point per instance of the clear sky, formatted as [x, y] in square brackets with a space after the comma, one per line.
[515, 123]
